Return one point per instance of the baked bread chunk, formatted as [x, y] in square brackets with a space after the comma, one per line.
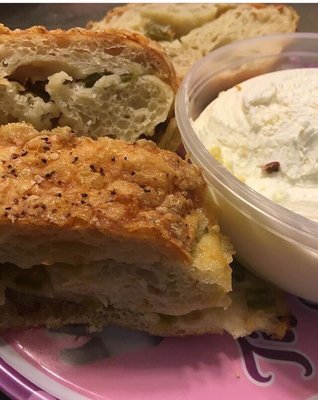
[243, 316]
[188, 32]
[125, 208]
[111, 83]
[104, 231]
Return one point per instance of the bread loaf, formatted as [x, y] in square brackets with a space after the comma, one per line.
[132, 207]
[104, 231]
[110, 83]
[246, 313]
[188, 32]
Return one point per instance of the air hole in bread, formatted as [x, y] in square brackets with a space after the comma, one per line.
[55, 121]
[38, 89]
[121, 104]
[40, 71]
[115, 50]
[11, 118]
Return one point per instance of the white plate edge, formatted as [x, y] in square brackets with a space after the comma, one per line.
[38, 378]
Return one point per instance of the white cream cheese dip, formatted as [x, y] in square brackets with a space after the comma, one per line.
[265, 131]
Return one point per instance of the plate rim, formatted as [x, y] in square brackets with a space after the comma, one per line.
[24, 369]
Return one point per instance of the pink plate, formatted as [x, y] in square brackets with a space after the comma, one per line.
[118, 364]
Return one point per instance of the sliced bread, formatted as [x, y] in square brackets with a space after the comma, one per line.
[188, 32]
[104, 232]
[110, 83]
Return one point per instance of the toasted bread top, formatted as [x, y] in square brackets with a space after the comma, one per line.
[53, 179]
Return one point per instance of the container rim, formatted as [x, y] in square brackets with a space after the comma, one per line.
[287, 223]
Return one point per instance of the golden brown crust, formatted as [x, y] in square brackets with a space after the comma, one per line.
[55, 180]
[144, 50]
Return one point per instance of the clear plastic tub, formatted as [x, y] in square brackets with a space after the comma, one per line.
[277, 244]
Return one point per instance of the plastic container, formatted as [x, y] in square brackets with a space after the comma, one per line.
[275, 243]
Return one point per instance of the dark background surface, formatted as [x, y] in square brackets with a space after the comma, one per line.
[69, 15]
[52, 16]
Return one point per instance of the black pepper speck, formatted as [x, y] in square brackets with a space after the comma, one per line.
[49, 174]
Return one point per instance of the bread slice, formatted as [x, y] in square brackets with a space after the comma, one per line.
[111, 83]
[161, 22]
[205, 27]
[131, 212]
[254, 305]
[104, 231]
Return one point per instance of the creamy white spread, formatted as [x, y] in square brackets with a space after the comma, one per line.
[269, 118]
